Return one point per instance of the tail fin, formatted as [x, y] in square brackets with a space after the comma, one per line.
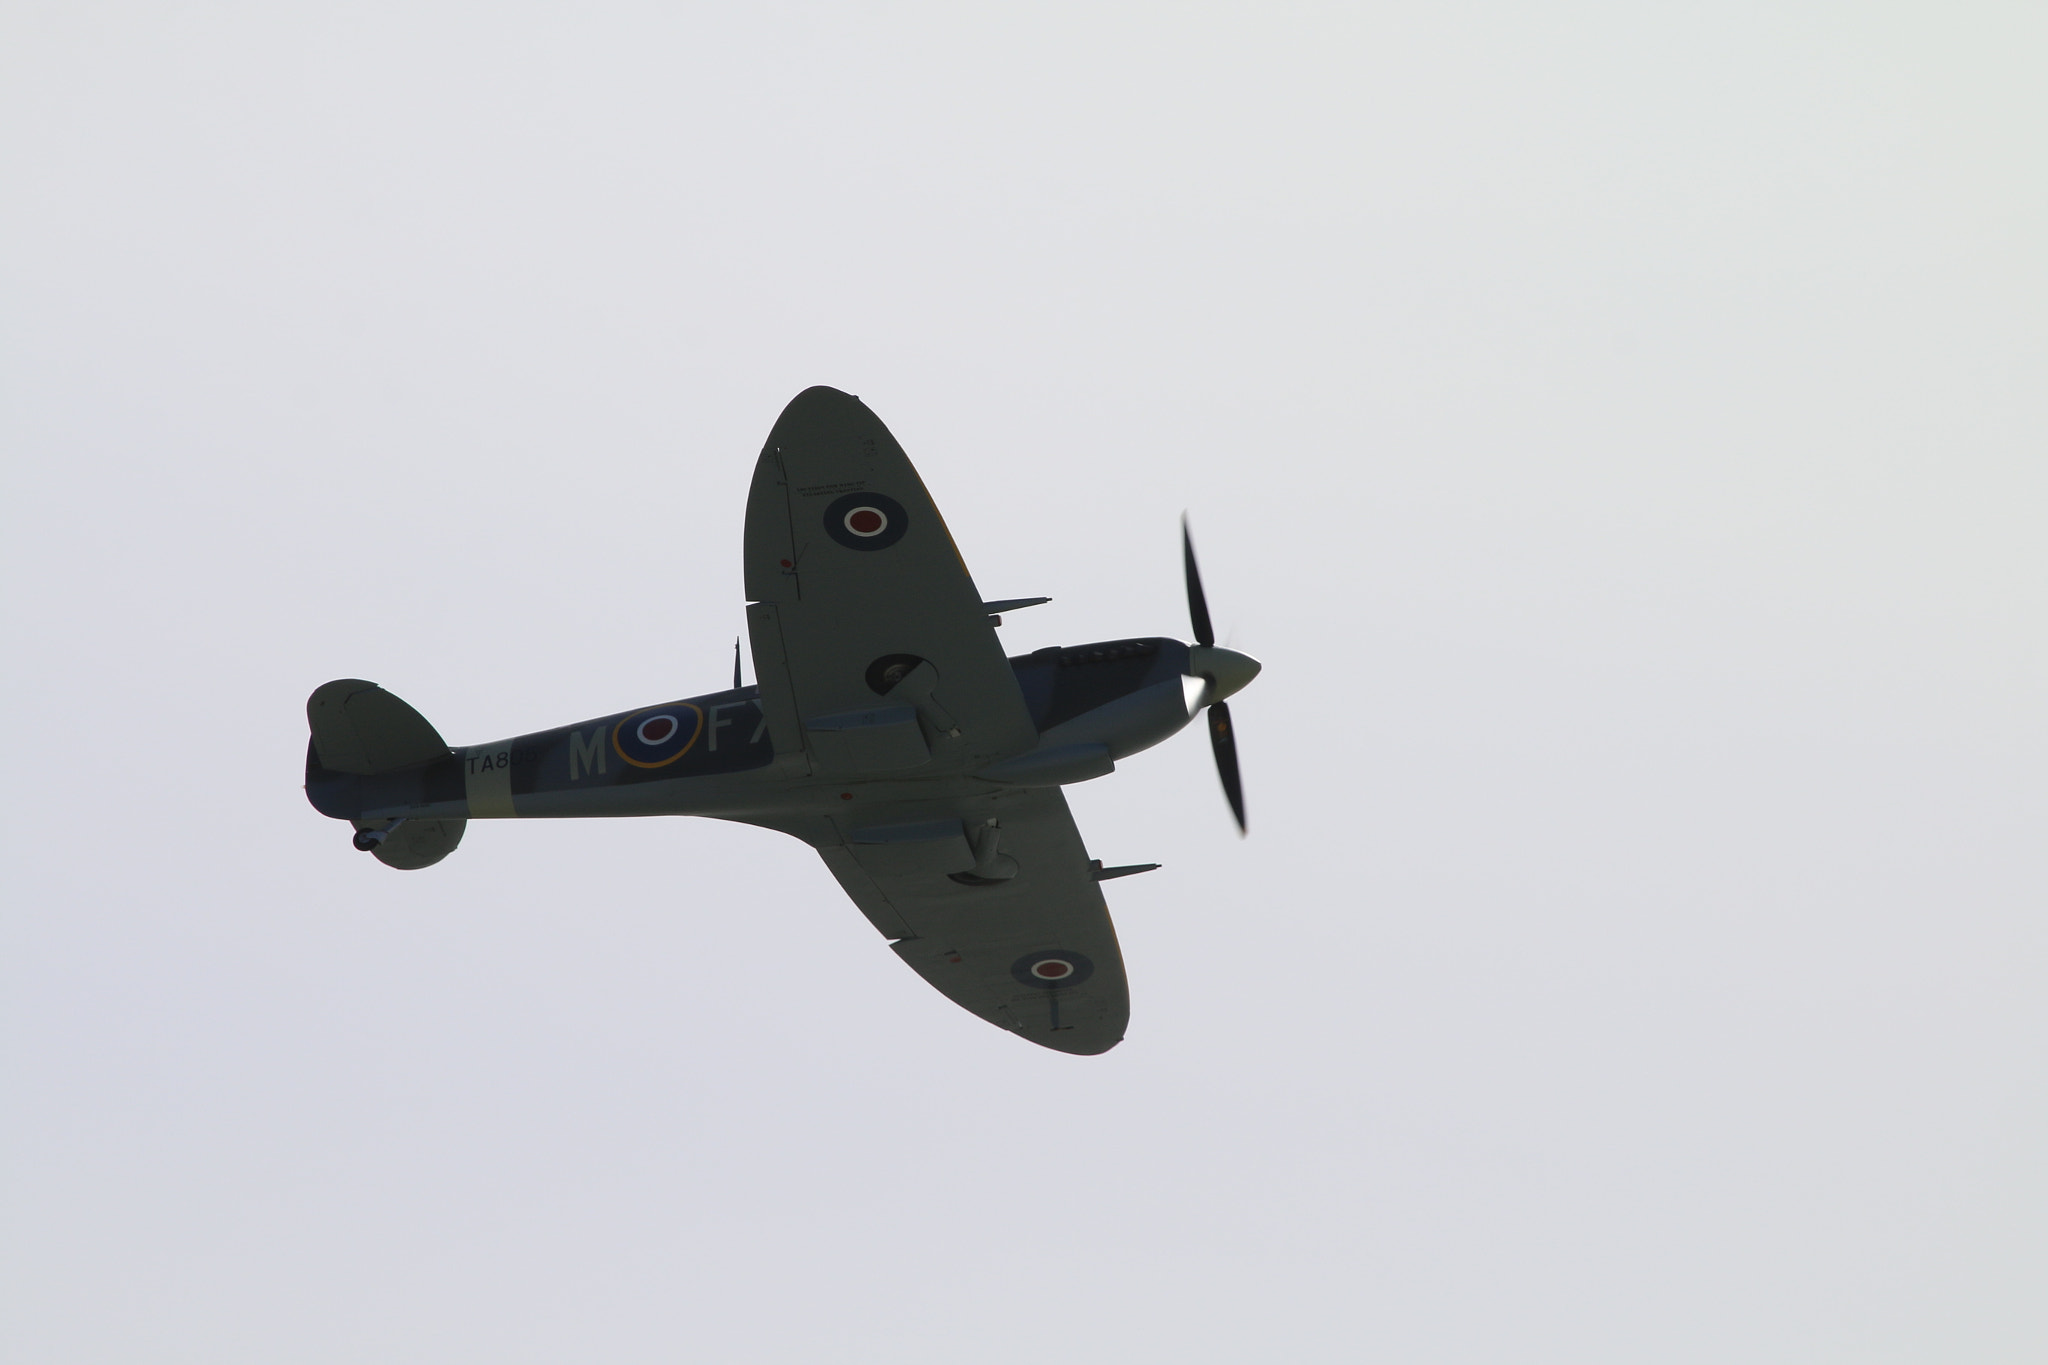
[362, 731]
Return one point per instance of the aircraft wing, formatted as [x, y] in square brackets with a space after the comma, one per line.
[1036, 954]
[870, 642]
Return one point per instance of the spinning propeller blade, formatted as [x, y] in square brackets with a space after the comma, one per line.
[1198, 605]
[1225, 671]
[1224, 741]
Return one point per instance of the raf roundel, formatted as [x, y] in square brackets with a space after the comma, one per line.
[866, 521]
[658, 736]
[1049, 971]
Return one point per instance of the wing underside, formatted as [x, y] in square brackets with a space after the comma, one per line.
[877, 660]
[1031, 950]
[874, 652]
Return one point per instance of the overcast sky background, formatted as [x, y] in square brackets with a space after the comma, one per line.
[1620, 430]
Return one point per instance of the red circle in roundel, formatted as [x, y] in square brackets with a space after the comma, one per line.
[1052, 969]
[866, 521]
[656, 729]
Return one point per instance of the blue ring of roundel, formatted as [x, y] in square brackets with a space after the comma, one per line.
[686, 722]
[1082, 969]
[894, 520]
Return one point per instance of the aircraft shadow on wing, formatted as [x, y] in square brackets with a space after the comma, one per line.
[886, 729]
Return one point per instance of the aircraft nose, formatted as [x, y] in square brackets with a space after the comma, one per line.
[1228, 670]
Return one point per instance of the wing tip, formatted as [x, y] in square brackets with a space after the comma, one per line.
[1074, 1043]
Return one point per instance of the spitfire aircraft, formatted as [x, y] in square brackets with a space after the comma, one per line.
[885, 728]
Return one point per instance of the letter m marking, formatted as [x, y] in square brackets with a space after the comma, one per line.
[586, 758]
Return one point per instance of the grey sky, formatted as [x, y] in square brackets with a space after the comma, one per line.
[1619, 430]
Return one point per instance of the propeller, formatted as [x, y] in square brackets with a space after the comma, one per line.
[1198, 602]
[1223, 672]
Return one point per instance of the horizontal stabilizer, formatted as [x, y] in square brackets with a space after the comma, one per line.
[412, 844]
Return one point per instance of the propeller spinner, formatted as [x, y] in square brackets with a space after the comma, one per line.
[1223, 672]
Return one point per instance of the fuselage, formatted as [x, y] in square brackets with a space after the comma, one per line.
[713, 754]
